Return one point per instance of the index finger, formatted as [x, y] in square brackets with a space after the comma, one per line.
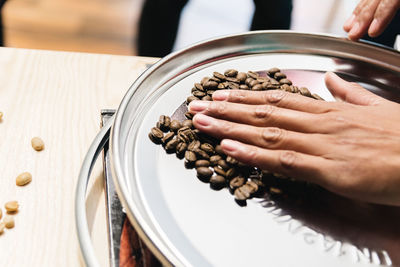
[278, 98]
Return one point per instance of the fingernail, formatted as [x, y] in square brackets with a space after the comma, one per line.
[229, 145]
[198, 106]
[373, 28]
[354, 29]
[349, 21]
[220, 95]
[202, 120]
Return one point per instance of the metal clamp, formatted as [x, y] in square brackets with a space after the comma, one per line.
[82, 229]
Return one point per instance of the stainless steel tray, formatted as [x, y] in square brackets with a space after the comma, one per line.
[185, 223]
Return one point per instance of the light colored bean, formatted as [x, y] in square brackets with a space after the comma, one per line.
[1, 213]
[37, 143]
[2, 226]
[9, 221]
[11, 206]
[23, 179]
[1, 115]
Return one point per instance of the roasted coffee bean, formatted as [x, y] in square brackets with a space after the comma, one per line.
[304, 91]
[167, 137]
[183, 137]
[252, 74]
[241, 193]
[181, 148]
[220, 171]
[199, 94]
[272, 71]
[315, 96]
[253, 83]
[208, 148]
[252, 186]
[223, 164]
[219, 151]
[202, 163]
[187, 123]
[233, 85]
[171, 145]
[221, 86]
[262, 79]
[237, 182]
[219, 75]
[241, 76]
[265, 85]
[175, 125]
[206, 98]
[279, 75]
[231, 160]
[204, 172]
[190, 156]
[215, 159]
[248, 81]
[286, 87]
[217, 182]
[272, 87]
[285, 81]
[204, 80]
[156, 135]
[215, 79]
[257, 87]
[274, 82]
[210, 92]
[201, 153]
[198, 86]
[210, 84]
[189, 115]
[231, 73]
[232, 79]
[230, 173]
[295, 89]
[190, 99]
[164, 123]
[244, 87]
[194, 145]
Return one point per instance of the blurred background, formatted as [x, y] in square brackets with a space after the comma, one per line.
[112, 26]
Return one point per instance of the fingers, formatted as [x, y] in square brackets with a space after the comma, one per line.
[259, 115]
[265, 137]
[384, 14]
[370, 16]
[294, 164]
[350, 92]
[277, 98]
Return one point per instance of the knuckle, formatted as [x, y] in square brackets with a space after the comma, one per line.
[264, 112]
[272, 137]
[252, 157]
[288, 159]
[274, 96]
[225, 128]
[218, 108]
[237, 97]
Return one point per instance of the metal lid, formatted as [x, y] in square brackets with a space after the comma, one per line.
[185, 223]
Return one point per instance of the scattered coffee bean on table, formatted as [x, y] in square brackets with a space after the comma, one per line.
[11, 206]
[37, 143]
[23, 179]
[8, 221]
[204, 152]
[1, 116]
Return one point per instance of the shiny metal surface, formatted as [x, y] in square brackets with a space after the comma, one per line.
[187, 224]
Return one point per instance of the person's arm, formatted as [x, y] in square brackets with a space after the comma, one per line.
[370, 16]
[350, 147]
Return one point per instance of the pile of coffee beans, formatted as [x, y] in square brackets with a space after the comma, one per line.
[204, 153]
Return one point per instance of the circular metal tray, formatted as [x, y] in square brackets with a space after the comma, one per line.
[185, 223]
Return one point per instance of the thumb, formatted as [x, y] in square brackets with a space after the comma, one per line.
[350, 92]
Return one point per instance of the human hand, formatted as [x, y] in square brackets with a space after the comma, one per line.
[350, 147]
[370, 16]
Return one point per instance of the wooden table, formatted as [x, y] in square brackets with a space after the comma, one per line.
[57, 96]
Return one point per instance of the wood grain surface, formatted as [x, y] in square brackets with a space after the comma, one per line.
[58, 97]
